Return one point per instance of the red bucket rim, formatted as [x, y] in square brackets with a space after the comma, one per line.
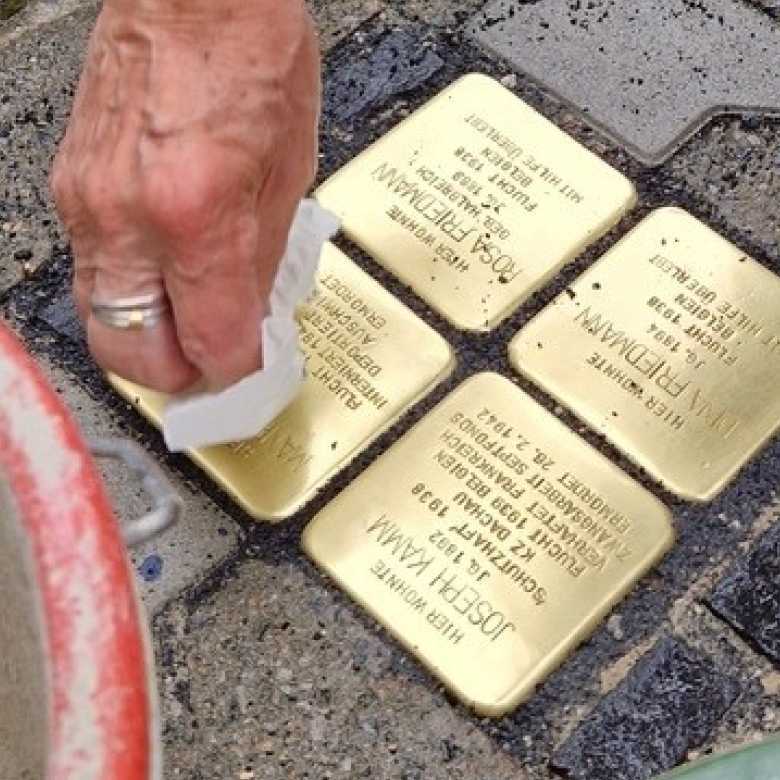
[102, 714]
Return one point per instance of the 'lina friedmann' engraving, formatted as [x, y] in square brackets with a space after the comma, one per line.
[670, 345]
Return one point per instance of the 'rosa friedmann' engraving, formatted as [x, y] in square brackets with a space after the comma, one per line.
[476, 201]
[670, 345]
[505, 538]
[357, 339]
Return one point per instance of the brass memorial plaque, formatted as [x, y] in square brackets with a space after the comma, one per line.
[368, 360]
[476, 201]
[490, 540]
[670, 346]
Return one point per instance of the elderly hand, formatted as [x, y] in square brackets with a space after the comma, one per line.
[192, 139]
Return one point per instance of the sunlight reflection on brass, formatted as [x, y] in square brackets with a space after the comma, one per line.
[476, 201]
[669, 346]
[490, 540]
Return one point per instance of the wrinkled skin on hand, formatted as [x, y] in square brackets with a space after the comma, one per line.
[192, 139]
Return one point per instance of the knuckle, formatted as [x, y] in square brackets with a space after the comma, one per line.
[180, 205]
[156, 367]
[217, 357]
[198, 349]
[67, 199]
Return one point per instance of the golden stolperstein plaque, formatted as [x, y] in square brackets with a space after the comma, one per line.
[476, 201]
[490, 540]
[368, 359]
[670, 346]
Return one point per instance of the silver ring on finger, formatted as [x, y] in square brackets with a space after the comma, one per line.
[134, 313]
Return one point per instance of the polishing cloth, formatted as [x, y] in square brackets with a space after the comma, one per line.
[247, 407]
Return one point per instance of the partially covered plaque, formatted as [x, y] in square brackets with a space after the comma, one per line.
[368, 359]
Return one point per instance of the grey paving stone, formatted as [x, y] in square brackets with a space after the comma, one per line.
[753, 718]
[755, 713]
[649, 73]
[667, 705]
[439, 13]
[399, 62]
[183, 555]
[309, 690]
[337, 18]
[19, 17]
[37, 74]
[748, 597]
[735, 167]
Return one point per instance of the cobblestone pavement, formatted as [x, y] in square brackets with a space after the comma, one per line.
[266, 669]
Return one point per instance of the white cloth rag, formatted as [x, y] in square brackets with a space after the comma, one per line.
[247, 407]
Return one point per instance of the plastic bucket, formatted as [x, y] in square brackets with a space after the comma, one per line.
[77, 685]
